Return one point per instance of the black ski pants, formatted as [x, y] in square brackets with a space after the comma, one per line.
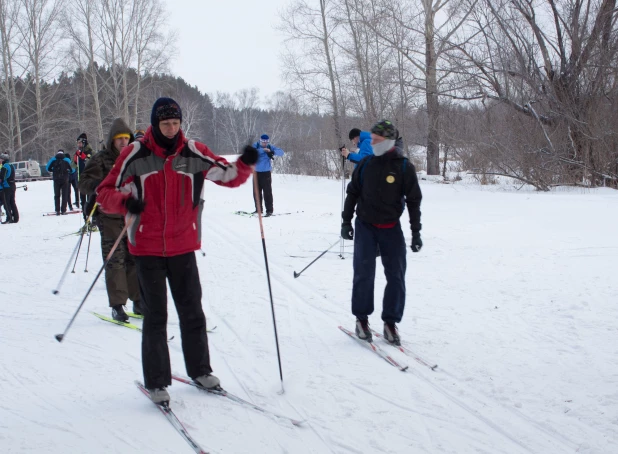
[73, 182]
[4, 201]
[184, 280]
[12, 214]
[264, 180]
[61, 194]
[393, 250]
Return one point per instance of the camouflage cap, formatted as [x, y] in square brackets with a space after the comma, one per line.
[385, 129]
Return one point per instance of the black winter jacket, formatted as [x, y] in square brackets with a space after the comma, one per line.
[379, 188]
[61, 169]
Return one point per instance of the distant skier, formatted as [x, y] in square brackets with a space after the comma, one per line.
[263, 168]
[8, 188]
[362, 140]
[158, 182]
[60, 166]
[82, 154]
[120, 272]
[380, 188]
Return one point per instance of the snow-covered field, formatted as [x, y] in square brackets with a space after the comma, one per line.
[513, 296]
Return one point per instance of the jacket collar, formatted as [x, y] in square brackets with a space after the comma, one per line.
[151, 144]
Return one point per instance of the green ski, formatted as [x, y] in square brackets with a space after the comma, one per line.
[116, 322]
[135, 327]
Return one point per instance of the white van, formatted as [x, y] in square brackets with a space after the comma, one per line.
[26, 169]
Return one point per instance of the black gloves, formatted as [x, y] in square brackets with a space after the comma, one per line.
[249, 155]
[347, 232]
[271, 154]
[134, 206]
[417, 244]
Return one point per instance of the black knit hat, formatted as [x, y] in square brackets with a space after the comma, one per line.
[164, 109]
[385, 129]
[82, 136]
[354, 132]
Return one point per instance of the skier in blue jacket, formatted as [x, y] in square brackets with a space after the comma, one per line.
[362, 140]
[266, 152]
[61, 168]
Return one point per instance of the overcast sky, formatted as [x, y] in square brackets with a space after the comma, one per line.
[228, 45]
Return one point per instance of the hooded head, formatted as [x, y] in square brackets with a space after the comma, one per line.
[165, 109]
[118, 130]
[82, 140]
[383, 136]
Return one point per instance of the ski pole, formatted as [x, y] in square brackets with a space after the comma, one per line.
[87, 225]
[79, 246]
[60, 337]
[270, 291]
[88, 252]
[341, 241]
[314, 260]
[66, 269]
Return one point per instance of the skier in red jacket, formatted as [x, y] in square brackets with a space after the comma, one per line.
[158, 181]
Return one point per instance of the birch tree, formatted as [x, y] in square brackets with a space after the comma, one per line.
[80, 23]
[310, 65]
[41, 38]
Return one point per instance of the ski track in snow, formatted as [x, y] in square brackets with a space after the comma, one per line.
[511, 296]
[282, 278]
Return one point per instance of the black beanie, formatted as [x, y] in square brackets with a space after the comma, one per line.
[82, 136]
[164, 109]
[354, 132]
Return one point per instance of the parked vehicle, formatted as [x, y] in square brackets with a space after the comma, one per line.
[26, 169]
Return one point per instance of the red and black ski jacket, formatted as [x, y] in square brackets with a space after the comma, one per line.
[171, 187]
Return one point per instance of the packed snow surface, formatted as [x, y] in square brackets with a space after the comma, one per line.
[513, 296]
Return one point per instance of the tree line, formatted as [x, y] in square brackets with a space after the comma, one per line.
[506, 87]
[494, 87]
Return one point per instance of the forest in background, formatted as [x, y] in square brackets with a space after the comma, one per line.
[494, 87]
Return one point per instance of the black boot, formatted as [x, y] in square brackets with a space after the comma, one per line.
[137, 308]
[119, 314]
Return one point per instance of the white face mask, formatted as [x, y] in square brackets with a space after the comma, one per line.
[380, 148]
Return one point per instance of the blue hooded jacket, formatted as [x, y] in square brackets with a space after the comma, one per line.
[8, 170]
[263, 163]
[364, 148]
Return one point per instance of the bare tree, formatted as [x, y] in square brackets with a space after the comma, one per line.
[237, 116]
[80, 23]
[41, 37]
[404, 28]
[553, 62]
[10, 44]
[154, 45]
[310, 32]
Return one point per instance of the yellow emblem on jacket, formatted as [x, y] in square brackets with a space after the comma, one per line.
[390, 179]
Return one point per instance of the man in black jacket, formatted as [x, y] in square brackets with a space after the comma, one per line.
[381, 186]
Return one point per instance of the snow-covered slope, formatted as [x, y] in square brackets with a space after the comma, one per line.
[513, 295]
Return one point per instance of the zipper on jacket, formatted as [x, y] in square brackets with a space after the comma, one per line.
[165, 208]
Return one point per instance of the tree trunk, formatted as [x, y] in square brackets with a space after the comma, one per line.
[331, 74]
[431, 85]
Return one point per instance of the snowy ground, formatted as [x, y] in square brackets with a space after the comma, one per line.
[513, 295]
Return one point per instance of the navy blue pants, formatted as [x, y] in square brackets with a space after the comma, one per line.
[392, 244]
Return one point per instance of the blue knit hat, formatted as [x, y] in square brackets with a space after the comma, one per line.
[264, 138]
[164, 109]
